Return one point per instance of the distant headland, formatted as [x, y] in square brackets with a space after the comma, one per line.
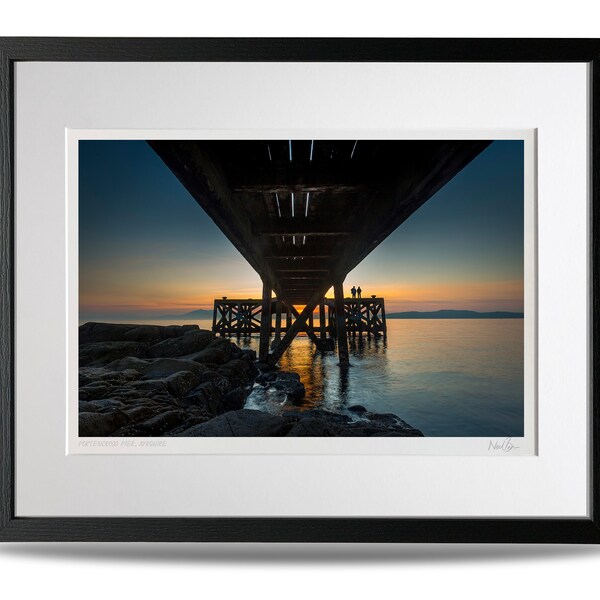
[455, 314]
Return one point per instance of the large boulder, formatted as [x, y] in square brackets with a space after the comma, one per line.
[239, 423]
[189, 343]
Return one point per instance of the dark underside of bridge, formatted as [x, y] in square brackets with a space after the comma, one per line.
[305, 213]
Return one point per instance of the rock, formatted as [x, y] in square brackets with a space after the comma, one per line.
[357, 408]
[312, 427]
[238, 372]
[287, 376]
[181, 383]
[163, 367]
[140, 413]
[156, 333]
[95, 424]
[95, 390]
[102, 353]
[249, 356]
[266, 377]
[263, 367]
[150, 385]
[234, 400]
[239, 423]
[293, 390]
[99, 405]
[189, 343]
[88, 375]
[129, 363]
[103, 332]
[116, 332]
[218, 352]
[159, 424]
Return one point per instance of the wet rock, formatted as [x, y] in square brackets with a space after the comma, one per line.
[239, 423]
[96, 424]
[357, 408]
[266, 377]
[293, 390]
[287, 376]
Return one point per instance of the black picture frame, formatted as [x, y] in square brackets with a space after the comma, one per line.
[497, 530]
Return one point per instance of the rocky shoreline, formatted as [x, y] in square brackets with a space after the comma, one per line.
[180, 380]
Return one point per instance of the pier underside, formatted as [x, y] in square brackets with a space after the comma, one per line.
[304, 213]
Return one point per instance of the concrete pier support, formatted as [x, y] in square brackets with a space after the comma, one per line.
[340, 324]
[265, 323]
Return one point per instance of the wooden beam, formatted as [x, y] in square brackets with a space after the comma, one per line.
[265, 323]
[298, 324]
[322, 320]
[303, 227]
[309, 330]
[300, 188]
[278, 319]
[340, 324]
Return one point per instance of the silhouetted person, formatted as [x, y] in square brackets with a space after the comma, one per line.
[353, 292]
[358, 291]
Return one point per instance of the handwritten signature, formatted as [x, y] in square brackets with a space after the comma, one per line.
[506, 445]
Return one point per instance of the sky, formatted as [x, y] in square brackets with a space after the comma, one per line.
[147, 249]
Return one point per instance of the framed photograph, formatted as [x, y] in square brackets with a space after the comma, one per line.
[298, 290]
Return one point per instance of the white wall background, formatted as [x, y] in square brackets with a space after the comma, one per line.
[259, 571]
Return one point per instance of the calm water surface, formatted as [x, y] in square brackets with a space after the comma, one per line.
[447, 377]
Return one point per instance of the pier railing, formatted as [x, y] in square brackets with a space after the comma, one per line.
[243, 317]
